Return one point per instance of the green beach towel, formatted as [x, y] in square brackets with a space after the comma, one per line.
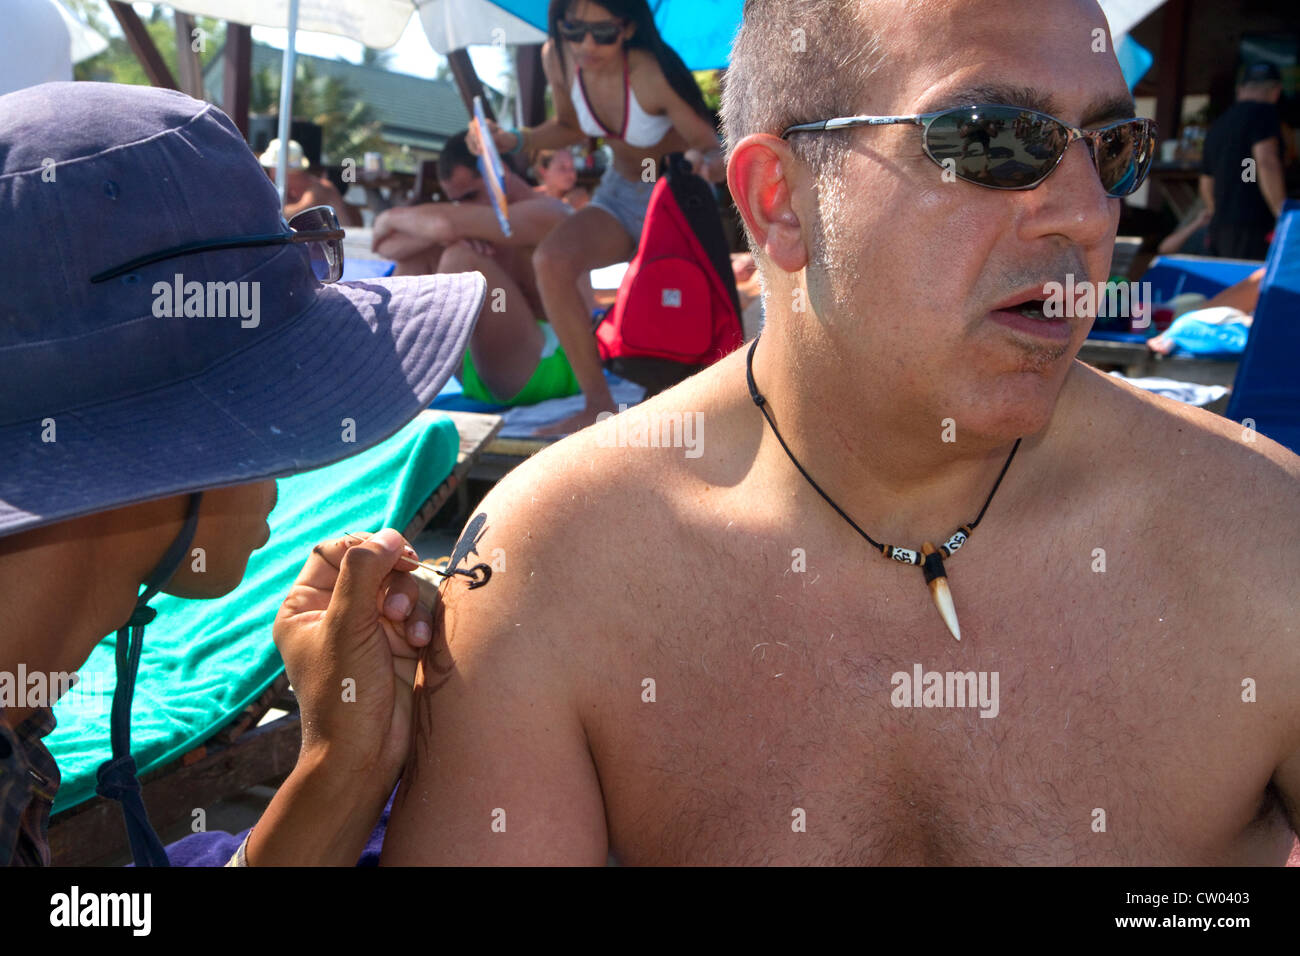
[204, 661]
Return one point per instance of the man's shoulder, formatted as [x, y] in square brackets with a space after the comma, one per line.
[607, 488]
[1170, 439]
[1215, 489]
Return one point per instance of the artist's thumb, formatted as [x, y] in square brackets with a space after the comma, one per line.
[361, 575]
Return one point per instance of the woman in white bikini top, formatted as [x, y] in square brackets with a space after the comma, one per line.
[611, 76]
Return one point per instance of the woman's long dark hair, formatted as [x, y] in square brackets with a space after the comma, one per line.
[646, 37]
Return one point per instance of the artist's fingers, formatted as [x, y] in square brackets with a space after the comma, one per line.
[399, 594]
[321, 570]
[362, 571]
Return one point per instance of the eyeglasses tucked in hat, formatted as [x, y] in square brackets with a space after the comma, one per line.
[318, 227]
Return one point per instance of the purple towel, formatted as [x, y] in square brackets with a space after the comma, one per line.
[216, 848]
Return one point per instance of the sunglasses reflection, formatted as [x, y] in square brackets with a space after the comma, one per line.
[1021, 150]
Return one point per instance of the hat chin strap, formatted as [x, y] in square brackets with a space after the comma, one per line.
[117, 777]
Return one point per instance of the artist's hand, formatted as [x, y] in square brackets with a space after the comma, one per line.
[350, 632]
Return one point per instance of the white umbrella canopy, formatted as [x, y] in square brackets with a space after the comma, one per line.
[39, 43]
[449, 24]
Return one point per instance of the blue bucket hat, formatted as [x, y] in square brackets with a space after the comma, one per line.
[109, 394]
[207, 369]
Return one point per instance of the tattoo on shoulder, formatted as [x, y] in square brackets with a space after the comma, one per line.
[480, 573]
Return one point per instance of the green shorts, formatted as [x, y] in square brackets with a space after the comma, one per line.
[553, 377]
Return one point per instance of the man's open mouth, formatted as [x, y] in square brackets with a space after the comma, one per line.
[1033, 308]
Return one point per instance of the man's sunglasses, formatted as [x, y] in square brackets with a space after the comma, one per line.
[318, 227]
[603, 32]
[1006, 147]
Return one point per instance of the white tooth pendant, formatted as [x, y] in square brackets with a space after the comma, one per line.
[937, 578]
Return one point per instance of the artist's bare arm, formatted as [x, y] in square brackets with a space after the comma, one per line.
[500, 771]
[1206, 184]
[1272, 180]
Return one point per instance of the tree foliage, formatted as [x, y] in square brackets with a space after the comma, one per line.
[118, 64]
[348, 125]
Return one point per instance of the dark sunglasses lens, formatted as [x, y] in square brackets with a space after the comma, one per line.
[1003, 147]
[314, 219]
[603, 33]
[1124, 155]
[326, 254]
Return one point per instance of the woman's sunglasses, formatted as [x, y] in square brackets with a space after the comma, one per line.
[1007, 147]
[318, 227]
[603, 32]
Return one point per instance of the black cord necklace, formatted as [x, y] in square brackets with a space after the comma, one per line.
[929, 558]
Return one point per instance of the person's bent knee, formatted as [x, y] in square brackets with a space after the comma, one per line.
[460, 257]
[554, 261]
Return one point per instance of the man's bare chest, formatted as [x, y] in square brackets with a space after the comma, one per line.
[1080, 720]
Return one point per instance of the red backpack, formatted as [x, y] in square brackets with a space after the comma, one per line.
[677, 310]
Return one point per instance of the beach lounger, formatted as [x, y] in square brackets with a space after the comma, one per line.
[210, 672]
[1267, 388]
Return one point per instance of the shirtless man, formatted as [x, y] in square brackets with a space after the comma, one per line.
[513, 357]
[305, 188]
[692, 659]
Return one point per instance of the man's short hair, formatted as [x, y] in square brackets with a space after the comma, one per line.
[455, 152]
[798, 61]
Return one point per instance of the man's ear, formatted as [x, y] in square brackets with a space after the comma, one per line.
[759, 177]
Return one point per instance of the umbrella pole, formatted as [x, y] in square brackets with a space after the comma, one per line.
[286, 103]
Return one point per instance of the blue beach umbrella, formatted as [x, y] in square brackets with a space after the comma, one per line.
[701, 31]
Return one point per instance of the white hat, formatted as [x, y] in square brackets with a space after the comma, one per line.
[271, 158]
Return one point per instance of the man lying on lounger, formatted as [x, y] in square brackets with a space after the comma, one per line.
[514, 358]
[130, 435]
[697, 659]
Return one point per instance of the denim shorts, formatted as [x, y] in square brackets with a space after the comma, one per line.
[625, 200]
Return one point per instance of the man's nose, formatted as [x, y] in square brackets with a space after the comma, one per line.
[1071, 201]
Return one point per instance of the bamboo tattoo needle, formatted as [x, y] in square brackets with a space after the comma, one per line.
[478, 575]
